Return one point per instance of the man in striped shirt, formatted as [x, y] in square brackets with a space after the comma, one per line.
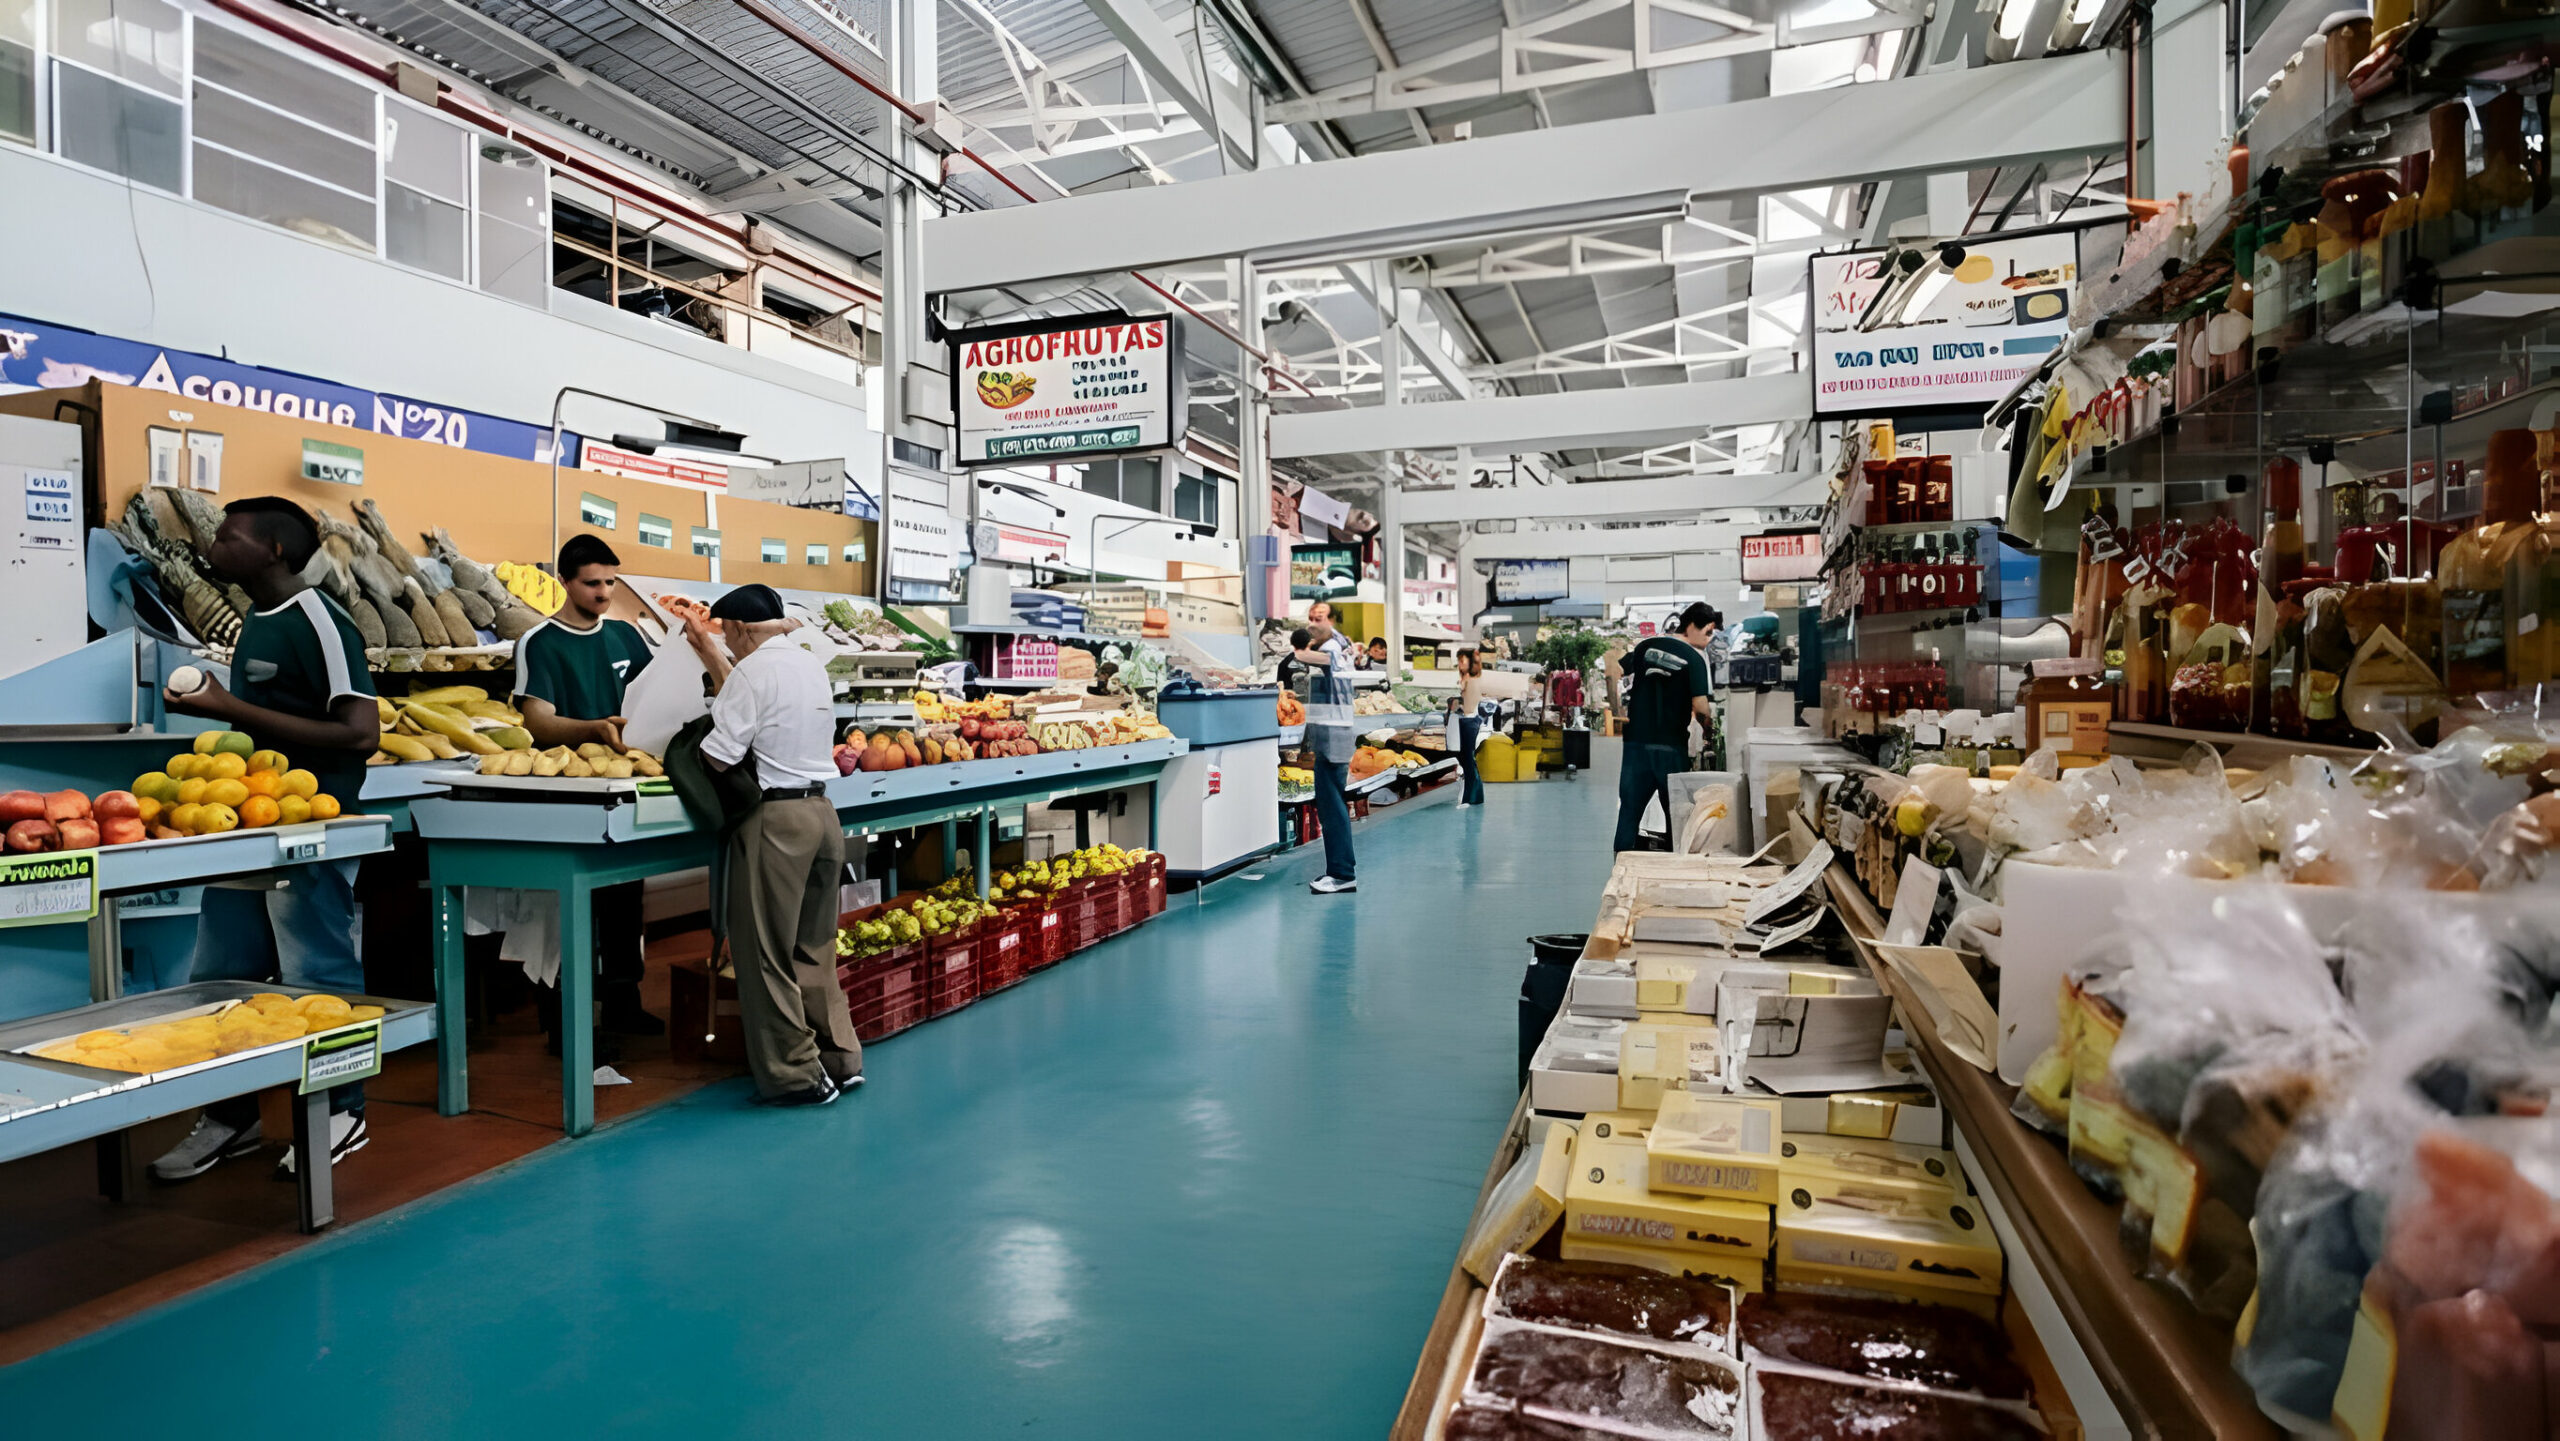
[1329, 739]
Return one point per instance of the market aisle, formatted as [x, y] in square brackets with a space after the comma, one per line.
[1207, 1177]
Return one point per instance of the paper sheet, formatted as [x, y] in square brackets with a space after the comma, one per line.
[666, 696]
[1935, 977]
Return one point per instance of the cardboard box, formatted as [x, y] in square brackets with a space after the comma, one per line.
[1892, 1241]
[1575, 1069]
[1749, 1275]
[1720, 1146]
[1925, 1172]
[1607, 1199]
[1654, 1058]
[1909, 1114]
[1521, 1218]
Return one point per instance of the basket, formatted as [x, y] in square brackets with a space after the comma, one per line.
[1004, 949]
[951, 970]
[1111, 904]
[886, 992]
[1049, 933]
[1086, 922]
[1149, 878]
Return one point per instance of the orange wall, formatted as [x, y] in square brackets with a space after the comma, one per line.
[496, 508]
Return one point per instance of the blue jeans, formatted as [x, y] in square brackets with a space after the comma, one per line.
[1468, 728]
[1644, 772]
[302, 934]
[1333, 813]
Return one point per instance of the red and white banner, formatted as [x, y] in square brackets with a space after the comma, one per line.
[632, 465]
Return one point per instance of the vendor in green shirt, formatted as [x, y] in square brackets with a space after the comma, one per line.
[1673, 687]
[571, 672]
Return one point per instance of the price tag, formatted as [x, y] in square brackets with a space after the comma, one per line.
[2102, 539]
[350, 1053]
[41, 890]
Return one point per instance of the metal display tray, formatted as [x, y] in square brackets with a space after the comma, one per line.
[561, 787]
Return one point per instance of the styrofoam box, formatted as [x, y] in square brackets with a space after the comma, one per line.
[2054, 917]
[1603, 988]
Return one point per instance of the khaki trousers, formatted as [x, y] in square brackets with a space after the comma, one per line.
[785, 864]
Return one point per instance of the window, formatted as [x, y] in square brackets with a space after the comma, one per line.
[1131, 481]
[282, 142]
[1416, 565]
[18, 70]
[513, 239]
[1195, 497]
[776, 553]
[855, 553]
[599, 512]
[116, 88]
[658, 531]
[706, 542]
[426, 192]
[815, 554]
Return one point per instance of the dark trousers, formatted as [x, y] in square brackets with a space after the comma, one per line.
[1468, 728]
[1333, 813]
[618, 938]
[1644, 772]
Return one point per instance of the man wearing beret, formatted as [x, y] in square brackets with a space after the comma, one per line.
[775, 712]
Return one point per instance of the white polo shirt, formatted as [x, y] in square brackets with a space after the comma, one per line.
[779, 704]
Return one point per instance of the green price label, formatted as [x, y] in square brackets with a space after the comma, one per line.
[43, 889]
[349, 1053]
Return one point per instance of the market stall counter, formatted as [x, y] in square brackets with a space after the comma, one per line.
[577, 836]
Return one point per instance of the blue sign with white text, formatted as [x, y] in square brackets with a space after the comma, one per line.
[35, 355]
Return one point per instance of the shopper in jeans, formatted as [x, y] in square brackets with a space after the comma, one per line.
[775, 711]
[1672, 688]
[1329, 740]
[298, 685]
[1469, 725]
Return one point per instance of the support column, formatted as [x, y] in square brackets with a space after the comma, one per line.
[911, 43]
[1390, 497]
[1253, 446]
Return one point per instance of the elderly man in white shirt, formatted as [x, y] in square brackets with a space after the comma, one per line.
[775, 711]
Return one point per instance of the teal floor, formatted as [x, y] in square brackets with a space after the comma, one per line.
[1203, 1179]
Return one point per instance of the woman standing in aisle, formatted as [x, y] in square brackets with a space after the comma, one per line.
[1468, 725]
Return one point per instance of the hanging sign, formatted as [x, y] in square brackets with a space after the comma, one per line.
[1059, 389]
[1941, 336]
[1788, 556]
[41, 890]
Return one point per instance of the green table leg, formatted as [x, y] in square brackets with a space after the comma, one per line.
[985, 849]
[950, 848]
[453, 1064]
[577, 1007]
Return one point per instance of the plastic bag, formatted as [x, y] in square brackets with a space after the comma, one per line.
[667, 695]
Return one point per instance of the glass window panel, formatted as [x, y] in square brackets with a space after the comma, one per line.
[706, 542]
[776, 553]
[426, 154]
[18, 22]
[235, 124]
[853, 552]
[1138, 484]
[17, 92]
[245, 187]
[597, 511]
[1102, 478]
[242, 65]
[425, 232]
[657, 530]
[143, 41]
[816, 554]
[118, 128]
[514, 262]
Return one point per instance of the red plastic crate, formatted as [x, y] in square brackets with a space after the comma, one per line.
[951, 971]
[1004, 950]
[886, 992]
[1049, 933]
[1084, 922]
[1150, 884]
[1118, 912]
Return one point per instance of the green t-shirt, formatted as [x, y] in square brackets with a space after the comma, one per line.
[580, 673]
[1668, 673]
[303, 658]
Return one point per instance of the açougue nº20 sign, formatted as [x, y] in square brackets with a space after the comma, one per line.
[1059, 390]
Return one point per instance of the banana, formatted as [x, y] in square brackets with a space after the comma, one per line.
[547, 764]
[439, 747]
[495, 765]
[514, 738]
[519, 763]
[487, 710]
[615, 769]
[448, 695]
[407, 748]
[576, 768]
[437, 721]
[594, 751]
[390, 712]
[645, 764]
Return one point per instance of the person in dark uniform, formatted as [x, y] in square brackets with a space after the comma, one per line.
[571, 672]
[1672, 688]
[298, 685]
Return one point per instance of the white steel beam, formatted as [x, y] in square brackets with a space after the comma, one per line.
[1700, 539]
[1612, 499]
[1567, 420]
[1648, 166]
[1220, 108]
[1416, 344]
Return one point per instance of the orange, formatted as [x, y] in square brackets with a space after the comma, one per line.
[226, 793]
[259, 811]
[183, 817]
[215, 819]
[324, 808]
[301, 783]
[191, 789]
[227, 767]
[292, 810]
[264, 783]
[267, 761]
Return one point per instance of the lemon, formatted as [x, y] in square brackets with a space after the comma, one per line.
[226, 793]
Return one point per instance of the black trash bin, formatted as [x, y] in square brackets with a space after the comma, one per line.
[1542, 989]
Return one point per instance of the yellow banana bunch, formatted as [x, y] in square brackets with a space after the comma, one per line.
[532, 585]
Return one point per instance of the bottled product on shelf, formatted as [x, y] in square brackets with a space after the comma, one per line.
[2491, 578]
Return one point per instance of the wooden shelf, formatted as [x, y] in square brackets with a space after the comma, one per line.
[2241, 747]
[2167, 1368]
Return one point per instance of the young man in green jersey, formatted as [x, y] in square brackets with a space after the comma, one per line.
[571, 672]
[298, 685]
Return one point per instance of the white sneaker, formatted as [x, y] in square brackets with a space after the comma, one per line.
[347, 1136]
[208, 1145]
[1328, 886]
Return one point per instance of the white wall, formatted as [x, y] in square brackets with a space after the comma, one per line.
[85, 250]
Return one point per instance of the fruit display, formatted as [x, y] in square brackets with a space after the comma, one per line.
[1375, 702]
[591, 761]
[1370, 760]
[448, 723]
[1034, 879]
[225, 783]
[1292, 712]
[948, 907]
[261, 1020]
